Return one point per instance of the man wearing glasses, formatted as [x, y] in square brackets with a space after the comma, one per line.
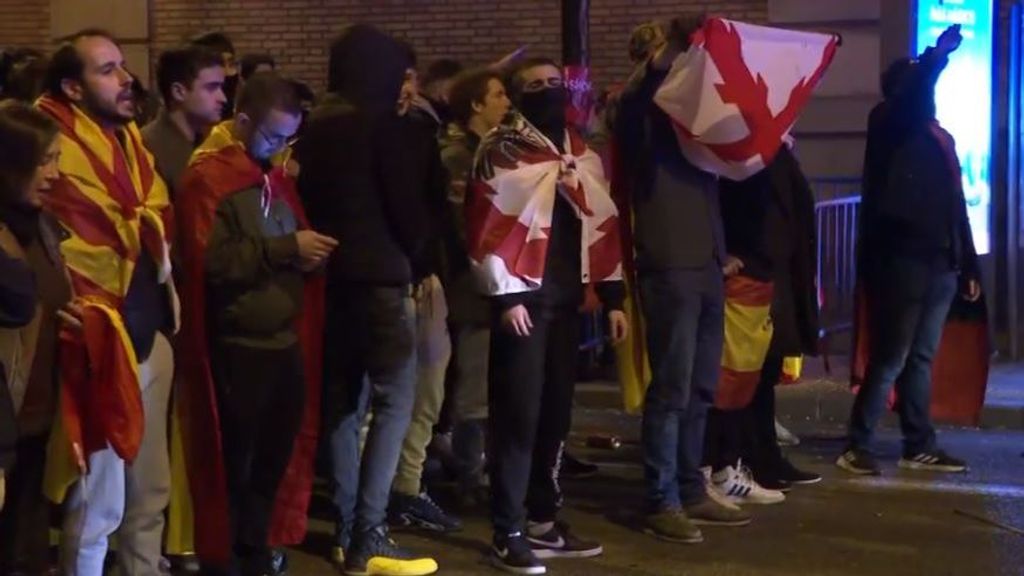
[246, 254]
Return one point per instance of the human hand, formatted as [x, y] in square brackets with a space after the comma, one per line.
[618, 326]
[973, 291]
[517, 320]
[314, 248]
[71, 316]
[732, 266]
[950, 39]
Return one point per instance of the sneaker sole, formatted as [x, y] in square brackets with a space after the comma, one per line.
[805, 482]
[674, 539]
[723, 523]
[550, 553]
[919, 467]
[843, 464]
[383, 569]
[765, 502]
[500, 565]
[406, 521]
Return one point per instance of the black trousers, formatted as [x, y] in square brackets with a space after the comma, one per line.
[261, 397]
[531, 383]
[25, 521]
[748, 433]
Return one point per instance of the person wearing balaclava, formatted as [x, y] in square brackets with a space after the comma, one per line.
[535, 300]
[358, 185]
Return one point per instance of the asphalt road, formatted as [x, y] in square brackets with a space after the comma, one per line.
[899, 524]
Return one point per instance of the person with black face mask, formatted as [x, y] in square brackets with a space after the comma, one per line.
[534, 264]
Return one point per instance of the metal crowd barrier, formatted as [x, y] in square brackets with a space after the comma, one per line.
[836, 216]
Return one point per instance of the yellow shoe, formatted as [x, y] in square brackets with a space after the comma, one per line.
[374, 553]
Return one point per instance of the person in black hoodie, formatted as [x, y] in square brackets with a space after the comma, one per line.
[916, 254]
[357, 187]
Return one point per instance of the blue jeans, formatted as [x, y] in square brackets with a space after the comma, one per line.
[370, 364]
[684, 315]
[909, 301]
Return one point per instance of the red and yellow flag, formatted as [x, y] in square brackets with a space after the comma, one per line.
[748, 334]
[114, 205]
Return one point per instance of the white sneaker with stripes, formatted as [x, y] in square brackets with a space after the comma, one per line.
[737, 484]
[714, 493]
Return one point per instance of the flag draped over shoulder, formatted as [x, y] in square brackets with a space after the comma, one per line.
[510, 205]
[220, 168]
[114, 205]
[736, 93]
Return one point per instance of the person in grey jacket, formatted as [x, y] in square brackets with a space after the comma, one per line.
[680, 258]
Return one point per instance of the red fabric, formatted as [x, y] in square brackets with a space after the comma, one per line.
[208, 180]
[736, 389]
[959, 372]
[100, 397]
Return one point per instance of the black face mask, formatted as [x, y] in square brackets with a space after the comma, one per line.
[230, 91]
[545, 109]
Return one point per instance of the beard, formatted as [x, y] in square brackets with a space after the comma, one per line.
[109, 111]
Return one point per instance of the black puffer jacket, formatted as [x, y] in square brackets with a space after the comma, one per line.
[354, 179]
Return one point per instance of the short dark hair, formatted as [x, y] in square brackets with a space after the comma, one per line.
[25, 77]
[514, 81]
[441, 70]
[182, 66]
[468, 88]
[894, 77]
[250, 62]
[25, 134]
[218, 41]
[66, 63]
[266, 91]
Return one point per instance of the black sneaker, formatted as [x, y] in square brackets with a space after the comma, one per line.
[513, 554]
[786, 472]
[575, 469]
[933, 461]
[859, 462]
[374, 552]
[560, 542]
[769, 478]
[421, 512]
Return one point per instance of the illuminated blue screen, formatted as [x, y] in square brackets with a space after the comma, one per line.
[964, 97]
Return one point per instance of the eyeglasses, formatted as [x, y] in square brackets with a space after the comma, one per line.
[273, 140]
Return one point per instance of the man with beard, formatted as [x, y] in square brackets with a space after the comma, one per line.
[357, 186]
[534, 172]
[191, 82]
[220, 43]
[109, 454]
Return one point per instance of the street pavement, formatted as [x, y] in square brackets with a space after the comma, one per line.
[901, 523]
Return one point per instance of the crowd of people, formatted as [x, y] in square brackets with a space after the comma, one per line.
[400, 251]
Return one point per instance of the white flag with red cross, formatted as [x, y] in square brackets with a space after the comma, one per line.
[734, 96]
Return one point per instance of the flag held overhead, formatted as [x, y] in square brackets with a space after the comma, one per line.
[734, 96]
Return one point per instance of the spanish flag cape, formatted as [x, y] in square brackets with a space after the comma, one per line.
[199, 507]
[114, 205]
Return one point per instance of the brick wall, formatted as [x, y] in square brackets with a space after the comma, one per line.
[24, 23]
[475, 31]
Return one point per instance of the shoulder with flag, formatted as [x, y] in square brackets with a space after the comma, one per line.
[510, 202]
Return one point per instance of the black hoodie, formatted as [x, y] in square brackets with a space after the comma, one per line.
[354, 178]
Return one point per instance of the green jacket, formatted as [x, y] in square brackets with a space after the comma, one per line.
[253, 281]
